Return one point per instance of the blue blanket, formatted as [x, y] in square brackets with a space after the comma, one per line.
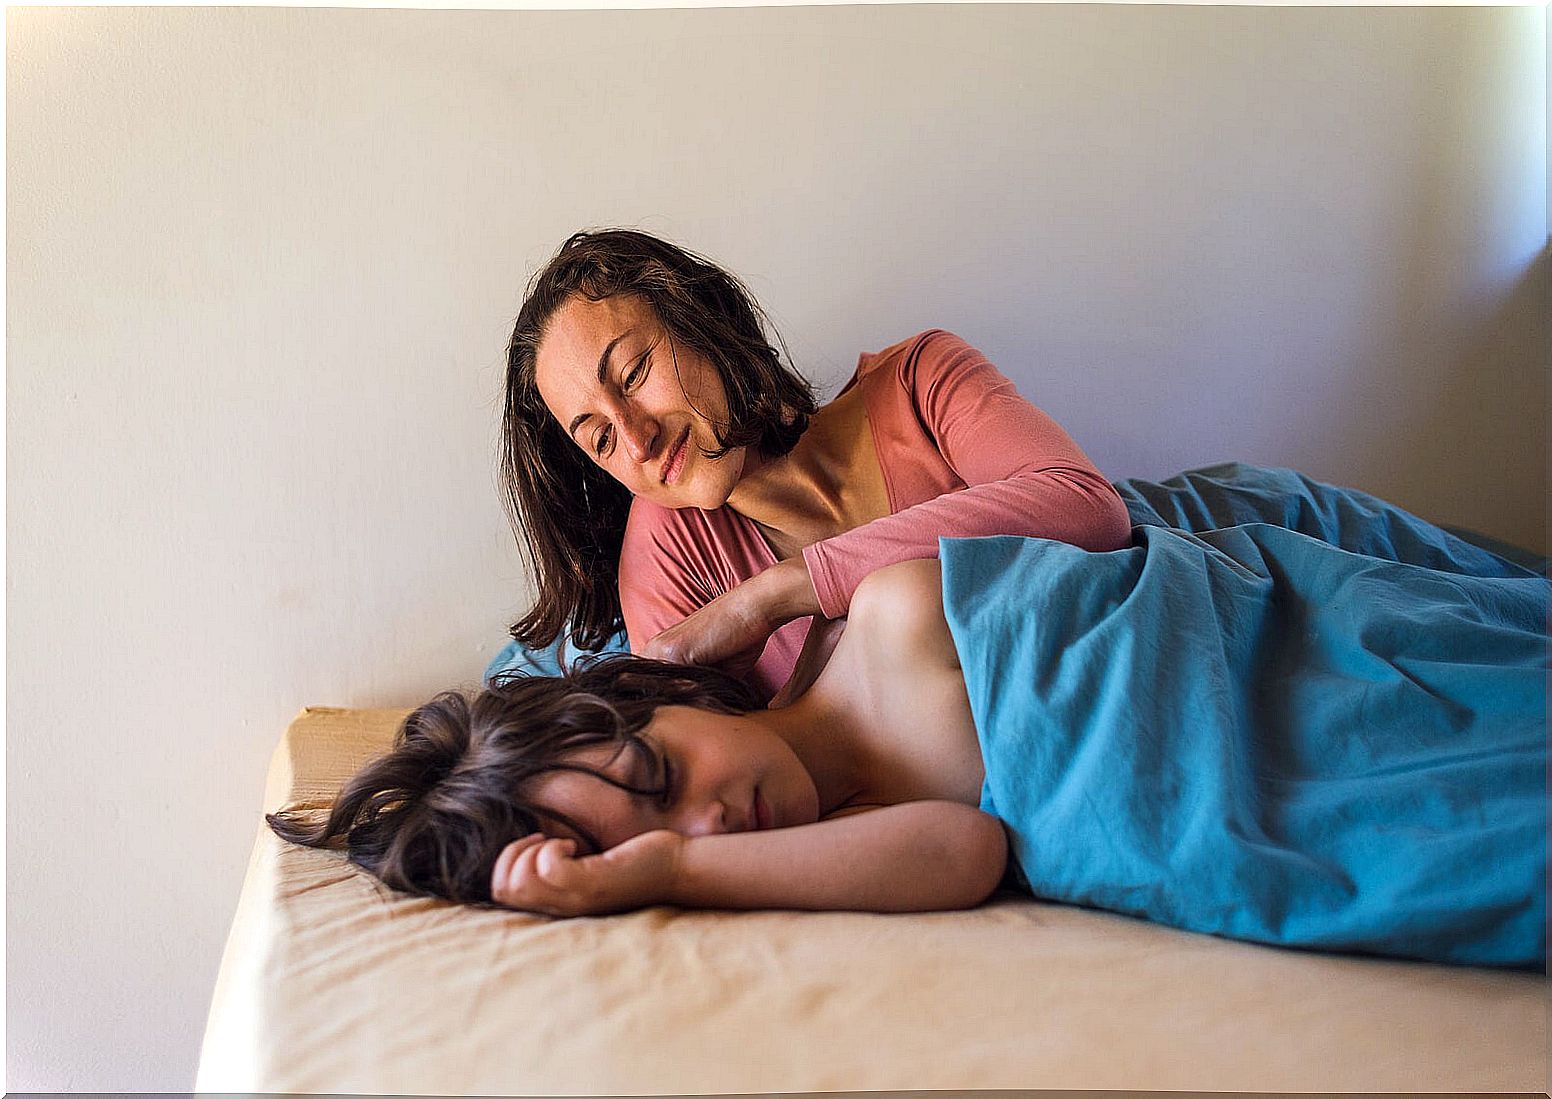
[1290, 713]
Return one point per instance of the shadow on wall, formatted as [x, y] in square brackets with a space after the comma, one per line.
[1466, 385]
[1490, 412]
[1470, 392]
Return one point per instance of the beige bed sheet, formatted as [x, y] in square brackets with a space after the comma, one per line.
[330, 983]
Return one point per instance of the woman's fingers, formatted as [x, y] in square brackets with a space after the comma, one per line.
[675, 645]
[716, 633]
[733, 627]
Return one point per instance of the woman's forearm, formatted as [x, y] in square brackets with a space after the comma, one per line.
[780, 593]
[1069, 506]
[916, 857]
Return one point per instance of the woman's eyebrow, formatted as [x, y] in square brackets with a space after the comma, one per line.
[603, 376]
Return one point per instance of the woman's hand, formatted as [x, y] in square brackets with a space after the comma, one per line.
[733, 628]
[820, 643]
[545, 875]
[729, 632]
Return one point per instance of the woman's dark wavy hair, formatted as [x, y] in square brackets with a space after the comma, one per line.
[432, 815]
[568, 514]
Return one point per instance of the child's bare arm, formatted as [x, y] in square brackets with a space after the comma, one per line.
[916, 857]
[919, 856]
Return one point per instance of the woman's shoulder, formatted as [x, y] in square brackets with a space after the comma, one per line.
[924, 378]
[917, 367]
[931, 345]
[652, 526]
[719, 548]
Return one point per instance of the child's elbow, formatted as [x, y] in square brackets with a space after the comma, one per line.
[978, 858]
[988, 846]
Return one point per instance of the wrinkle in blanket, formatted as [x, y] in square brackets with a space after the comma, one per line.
[1332, 737]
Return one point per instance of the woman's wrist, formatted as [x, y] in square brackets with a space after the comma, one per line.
[781, 593]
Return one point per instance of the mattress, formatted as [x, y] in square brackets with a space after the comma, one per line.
[332, 983]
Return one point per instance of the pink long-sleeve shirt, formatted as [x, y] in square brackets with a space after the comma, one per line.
[962, 455]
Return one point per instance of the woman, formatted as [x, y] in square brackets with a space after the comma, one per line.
[667, 469]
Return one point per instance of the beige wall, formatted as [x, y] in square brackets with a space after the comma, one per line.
[261, 264]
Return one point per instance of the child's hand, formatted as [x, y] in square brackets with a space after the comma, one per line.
[545, 875]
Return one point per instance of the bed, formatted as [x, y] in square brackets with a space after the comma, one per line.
[332, 984]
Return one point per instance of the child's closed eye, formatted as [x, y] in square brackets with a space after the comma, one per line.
[668, 775]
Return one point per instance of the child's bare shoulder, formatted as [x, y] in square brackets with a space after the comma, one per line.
[902, 588]
[903, 603]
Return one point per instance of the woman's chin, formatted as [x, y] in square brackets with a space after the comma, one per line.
[704, 501]
[703, 488]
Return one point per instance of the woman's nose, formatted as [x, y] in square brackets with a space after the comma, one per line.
[638, 433]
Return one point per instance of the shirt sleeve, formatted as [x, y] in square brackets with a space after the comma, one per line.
[666, 573]
[1023, 474]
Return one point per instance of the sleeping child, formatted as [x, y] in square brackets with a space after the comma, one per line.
[1326, 742]
[633, 782]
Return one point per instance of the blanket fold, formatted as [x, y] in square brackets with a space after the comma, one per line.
[1326, 731]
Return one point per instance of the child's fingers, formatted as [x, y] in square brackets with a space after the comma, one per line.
[539, 874]
[505, 875]
[552, 857]
[523, 887]
[511, 852]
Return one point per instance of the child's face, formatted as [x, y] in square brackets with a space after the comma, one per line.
[726, 773]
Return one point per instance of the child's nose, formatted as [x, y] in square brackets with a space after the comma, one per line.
[707, 820]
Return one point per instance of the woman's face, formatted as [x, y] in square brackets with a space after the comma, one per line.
[640, 405]
[724, 773]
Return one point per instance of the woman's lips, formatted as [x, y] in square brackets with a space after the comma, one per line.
[675, 463]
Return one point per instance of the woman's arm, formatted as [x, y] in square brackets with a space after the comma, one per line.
[676, 564]
[1024, 474]
[731, 629]
[919, 856]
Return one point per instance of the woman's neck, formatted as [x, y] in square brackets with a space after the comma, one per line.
[829, 482]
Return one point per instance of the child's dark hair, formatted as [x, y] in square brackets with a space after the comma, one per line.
[432, 815]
